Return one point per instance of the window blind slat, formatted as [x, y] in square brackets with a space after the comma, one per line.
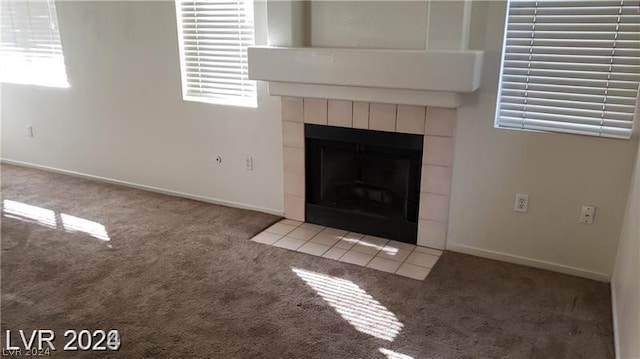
[575, 74]
[571, 3]
[532, 115]
[560, 19]
[581, 99]
[571, 66]
[572, 128]
[613, 93]
[531, 108]
[609, 43]
[571, 35]
[622, 60]
[214, 36]
[583, 51]
[628, 69]
[612, 9]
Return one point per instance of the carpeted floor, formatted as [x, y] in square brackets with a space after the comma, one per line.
[180, 279]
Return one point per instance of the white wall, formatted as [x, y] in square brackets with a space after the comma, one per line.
[123, 117]
[395, 24]
[560, 173]
[368, 24]
[625, 284]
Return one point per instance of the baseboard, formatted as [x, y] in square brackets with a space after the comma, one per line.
[614, 313]
[505, 257]
[145, 187]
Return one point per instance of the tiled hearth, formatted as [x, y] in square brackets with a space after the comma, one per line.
[372, 252]
[435, 123]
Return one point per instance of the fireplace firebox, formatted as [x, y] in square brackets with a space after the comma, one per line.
[363, 181]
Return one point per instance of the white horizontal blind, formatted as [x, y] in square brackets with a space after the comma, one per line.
[571, 66]
[30, 46]
[214, 36]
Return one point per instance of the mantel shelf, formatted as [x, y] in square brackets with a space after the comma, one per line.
[413, 77]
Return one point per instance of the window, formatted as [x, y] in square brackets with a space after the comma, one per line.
[571, 66]
[30, 50]
[214, 36]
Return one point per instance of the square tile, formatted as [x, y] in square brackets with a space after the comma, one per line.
[280, 228]
[315, 227]
[394, 254]
[315, 249]
[366, 248]
[294, 184]
[292, 109]
[334, 253]
[266, 238]
[385, 265]
[431, 233]
[289, 243]
[345, 243]
[413, 271]
[361, 115]
[327, 239]
[353, 236]
[315, 111]
[434, 207]
[438, 150]
[436, 179]
[401, 245]
[291, 222]
[433, 252]
[340, 113]
[422, 259]
[410, 119]
[294, 207]
[293, 134]
[382, 117]
[372, 240]
[293, 160]
[303, 233]
[335, 231]
[440, 121]
[354, 257]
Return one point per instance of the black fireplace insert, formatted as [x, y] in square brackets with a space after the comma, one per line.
[363, 181]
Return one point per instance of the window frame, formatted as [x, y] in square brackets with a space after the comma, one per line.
[559, 130]
[236, 101]
[27, 66]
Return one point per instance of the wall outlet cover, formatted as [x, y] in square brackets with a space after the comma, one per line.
[522, 203]
[587, 213]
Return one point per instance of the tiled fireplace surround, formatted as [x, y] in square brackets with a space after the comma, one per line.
[435, 123]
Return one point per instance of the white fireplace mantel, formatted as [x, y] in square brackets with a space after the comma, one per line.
[407, 77]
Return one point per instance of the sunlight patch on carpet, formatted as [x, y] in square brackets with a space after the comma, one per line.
[353, 304]
[76, 224]
[47, 218]
[393, 355]
[28, 213]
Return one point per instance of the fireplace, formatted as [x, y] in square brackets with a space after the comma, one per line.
[350, 135]
[363, 181]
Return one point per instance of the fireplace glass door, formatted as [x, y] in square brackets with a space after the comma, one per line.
[363, 181]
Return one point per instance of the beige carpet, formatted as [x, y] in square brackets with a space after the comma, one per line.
[180, 279]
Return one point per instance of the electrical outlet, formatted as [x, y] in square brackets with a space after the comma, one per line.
[522, 203]
[587, 213]
[248, 163]
[29, 131]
